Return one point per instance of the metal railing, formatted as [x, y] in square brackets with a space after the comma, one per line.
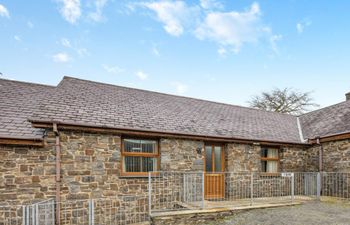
[119, 210]
[183, 191]
[335, 185]
[200, 190]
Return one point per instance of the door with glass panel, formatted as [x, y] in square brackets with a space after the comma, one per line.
[214, 178]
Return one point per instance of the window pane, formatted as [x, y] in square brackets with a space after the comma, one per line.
[208, 159]
[132, 164]
[148, 146]
[272, 153]
[142, 146]
[149, 164]
[264, 152]
[218, 160]
[139, 164]
[263, 166]
[269, 153]
[271, 167]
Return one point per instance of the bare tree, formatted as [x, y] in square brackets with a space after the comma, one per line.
[285, 100]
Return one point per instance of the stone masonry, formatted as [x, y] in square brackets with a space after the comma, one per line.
[91, 164]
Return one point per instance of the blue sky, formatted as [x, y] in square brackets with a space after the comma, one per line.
[224, 51]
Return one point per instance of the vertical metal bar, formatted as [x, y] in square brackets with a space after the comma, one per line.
[27, 215]
[318, 186]
[33, 214]
[92, 212]
[24, 215]
[292, 187]
[203, 190]
[251, 188]
[149, 193]
[36, 214]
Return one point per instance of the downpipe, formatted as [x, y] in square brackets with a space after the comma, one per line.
[320, 169]
[58, 173]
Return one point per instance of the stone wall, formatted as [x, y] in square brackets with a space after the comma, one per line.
[91, 164]
[246, 158]
[242, 158]
[27, 173]
[181, 155]
[336, 156]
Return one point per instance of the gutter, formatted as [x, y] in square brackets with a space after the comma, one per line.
[37, 123]
[58, 172]
[330, 137]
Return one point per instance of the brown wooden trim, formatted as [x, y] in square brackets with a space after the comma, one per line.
[159, 134]
[269, 159]
[149, 155]
[213, 145]
[21, 142]
[137, 154]
[337, 137]
[277, 159]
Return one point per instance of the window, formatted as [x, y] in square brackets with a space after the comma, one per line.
[269, 160]
[139, 156]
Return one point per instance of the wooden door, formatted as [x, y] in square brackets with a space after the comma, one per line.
[214, 179]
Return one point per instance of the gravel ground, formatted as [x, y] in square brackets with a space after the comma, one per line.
[316, 213]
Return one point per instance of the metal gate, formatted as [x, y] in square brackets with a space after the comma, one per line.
[41, 213]
[193, 187]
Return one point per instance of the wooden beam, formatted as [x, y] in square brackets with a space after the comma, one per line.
[22, 142]
[332, 138]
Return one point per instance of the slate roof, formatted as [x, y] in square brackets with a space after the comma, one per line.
[76, 101]
[103, 105]
[327, 121]
[18, 100]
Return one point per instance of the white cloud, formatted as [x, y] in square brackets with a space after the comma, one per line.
[180, 87]
[61, 57]
[273, 42]
[155, 51]
[211, 4]
[302, 25]
[97, 15]
[206, 21]
[70, 10]
[17, 38]
[141, 75]
[4, 12]
[112, 69]
[173, 14]
[65, 42]
[233, 29]
[30, 24]
[80, 51]
[222, 51]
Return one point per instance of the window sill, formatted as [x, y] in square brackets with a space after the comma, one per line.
[138, 175]
[264, 174]
[133, 176]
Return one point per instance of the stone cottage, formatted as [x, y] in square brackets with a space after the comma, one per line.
[83, 139]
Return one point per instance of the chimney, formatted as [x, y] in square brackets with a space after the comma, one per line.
[347, 95]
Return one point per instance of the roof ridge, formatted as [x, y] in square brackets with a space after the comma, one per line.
[180, 96]
[27, 82]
